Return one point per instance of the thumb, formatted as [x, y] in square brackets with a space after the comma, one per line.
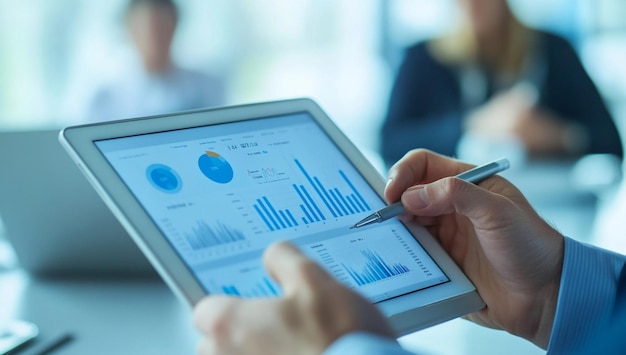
[450, 195]
[291, 268]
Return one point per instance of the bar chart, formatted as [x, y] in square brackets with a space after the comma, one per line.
[375, 269]
[318, 202]
[204, 236]
[262, 288]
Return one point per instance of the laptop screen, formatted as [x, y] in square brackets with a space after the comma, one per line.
[221, 194]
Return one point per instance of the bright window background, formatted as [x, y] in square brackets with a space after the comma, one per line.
[342, 53]
[54, 54]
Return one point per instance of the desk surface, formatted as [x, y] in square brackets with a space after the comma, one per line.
[104, 316]
[141, 316]
[144, 317]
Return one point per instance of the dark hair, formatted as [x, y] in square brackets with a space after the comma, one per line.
[167, 4]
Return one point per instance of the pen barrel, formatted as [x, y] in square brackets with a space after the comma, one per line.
[480, 173]
[391, 211]
[473, 176]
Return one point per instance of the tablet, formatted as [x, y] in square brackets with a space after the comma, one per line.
[203, 193]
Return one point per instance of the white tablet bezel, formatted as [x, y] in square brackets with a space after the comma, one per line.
[406, 313]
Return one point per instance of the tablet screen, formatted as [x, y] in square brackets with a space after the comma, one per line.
[221, 194]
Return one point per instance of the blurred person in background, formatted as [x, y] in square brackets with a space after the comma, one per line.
[500, 84]
[154, 83]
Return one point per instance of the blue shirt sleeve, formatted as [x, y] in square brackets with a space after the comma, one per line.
[365, 343]
[587, 295]
[589, 282]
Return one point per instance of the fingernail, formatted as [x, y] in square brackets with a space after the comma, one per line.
[388, 182]
[415, 198]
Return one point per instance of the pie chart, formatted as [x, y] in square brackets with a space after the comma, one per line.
[215, 167]
[163, 178]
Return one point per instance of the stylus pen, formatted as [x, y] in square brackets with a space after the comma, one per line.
[474, 176]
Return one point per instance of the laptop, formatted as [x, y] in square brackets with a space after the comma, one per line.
[55, 222]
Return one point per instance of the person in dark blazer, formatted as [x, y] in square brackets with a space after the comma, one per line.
[497, 80]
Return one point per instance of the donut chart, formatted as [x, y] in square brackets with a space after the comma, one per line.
[215, 167]
[164, 178]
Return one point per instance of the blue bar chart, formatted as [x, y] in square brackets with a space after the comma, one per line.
[375, 269]
[318, 202]
[262, 288]
[204, 236]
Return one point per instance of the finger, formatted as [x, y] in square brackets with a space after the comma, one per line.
[427, 221]
[292, 269]
[206, 347]
[450, 195]
[213, 315]
[418, 167]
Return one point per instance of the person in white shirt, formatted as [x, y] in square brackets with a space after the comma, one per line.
[154, 83]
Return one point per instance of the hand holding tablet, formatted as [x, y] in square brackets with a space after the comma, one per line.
[288, 325]
[509, 251]
[204, 193]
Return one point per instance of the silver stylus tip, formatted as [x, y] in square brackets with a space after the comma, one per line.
[373, 218]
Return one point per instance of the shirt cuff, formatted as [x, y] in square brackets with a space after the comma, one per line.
[586, 296]
[365, 343]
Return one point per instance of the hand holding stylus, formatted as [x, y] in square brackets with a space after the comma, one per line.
[474, 176]
[512, 256]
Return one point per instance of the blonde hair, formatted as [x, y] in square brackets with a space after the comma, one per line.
[461, 46]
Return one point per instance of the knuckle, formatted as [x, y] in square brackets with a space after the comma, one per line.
[219, 327]
[416, 154]
[450, 187]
